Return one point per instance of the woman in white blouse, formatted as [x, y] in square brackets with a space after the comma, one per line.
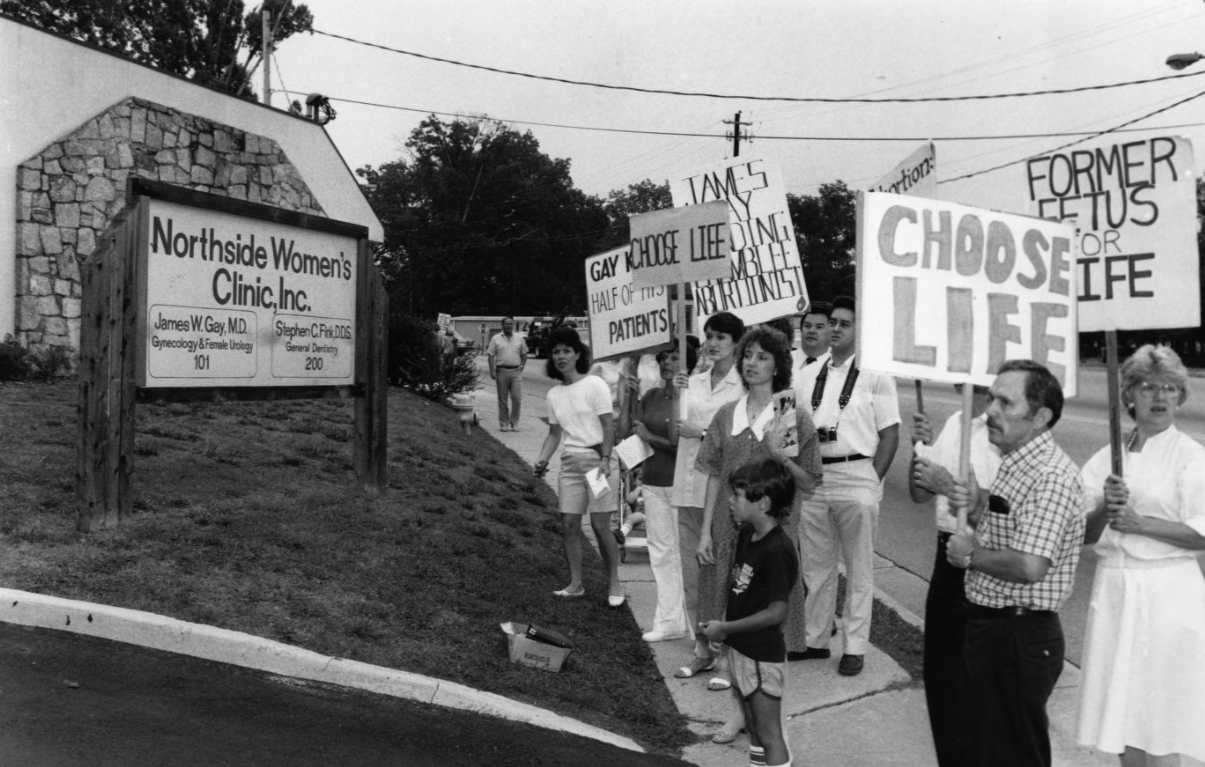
[705, 393]
[1143, 689]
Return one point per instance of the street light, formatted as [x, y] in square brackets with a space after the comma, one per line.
[1178, 61]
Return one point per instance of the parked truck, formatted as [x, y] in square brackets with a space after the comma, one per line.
[538, 332]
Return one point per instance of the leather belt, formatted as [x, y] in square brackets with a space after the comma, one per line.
[507, 367]
[1003, 613]
[843, 458]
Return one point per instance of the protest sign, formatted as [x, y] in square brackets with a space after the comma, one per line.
[444, 321]
[624, 319]
[1134, 204]
[767, 278]
[948, 293]
[678, 245]
[916, 176]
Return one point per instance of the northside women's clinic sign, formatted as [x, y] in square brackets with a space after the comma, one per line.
[234, 301]
[948, 293]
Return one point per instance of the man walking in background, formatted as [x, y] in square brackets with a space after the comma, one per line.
[447, 349]
[507, 355]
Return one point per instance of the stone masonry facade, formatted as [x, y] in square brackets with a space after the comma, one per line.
[69, 192]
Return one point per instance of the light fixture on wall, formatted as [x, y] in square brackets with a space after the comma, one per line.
[320, 109]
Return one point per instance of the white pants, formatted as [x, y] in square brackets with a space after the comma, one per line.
[690, 527]
[842, 516]
[661, 529]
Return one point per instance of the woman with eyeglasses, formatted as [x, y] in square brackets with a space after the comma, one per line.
[1143, 689]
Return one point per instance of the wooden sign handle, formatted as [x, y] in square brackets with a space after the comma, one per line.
[964, 449]
[1114, 388]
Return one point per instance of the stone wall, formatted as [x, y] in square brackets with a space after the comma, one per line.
[69, 192]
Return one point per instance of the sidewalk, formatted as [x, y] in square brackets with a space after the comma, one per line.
[876, 719]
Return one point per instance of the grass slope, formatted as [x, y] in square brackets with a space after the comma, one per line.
[247, 517]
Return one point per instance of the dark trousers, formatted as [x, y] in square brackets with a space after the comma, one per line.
[945, 683]
[1012, 664]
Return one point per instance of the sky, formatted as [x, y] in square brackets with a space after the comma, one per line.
[797, 48]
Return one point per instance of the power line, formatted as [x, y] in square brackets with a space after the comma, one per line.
[798, 99]
[927, 137]
[790, 112]
[1117, 129]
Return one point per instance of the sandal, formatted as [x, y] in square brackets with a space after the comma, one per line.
[697, 666]
[567, 594]
[719, 684]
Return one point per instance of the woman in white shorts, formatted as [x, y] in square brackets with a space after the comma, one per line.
[579, 410]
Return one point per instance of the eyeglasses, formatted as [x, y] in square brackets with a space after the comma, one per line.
[1148, 390]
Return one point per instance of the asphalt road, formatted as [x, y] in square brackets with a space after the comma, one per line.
[68, 699]
[907, 533]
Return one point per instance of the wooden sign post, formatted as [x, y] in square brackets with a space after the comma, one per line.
[197, 297]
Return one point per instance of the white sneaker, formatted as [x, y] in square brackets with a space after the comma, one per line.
[662, 636]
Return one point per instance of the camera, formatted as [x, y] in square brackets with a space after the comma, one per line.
[827, 433]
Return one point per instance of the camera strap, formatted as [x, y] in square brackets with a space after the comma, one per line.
[846, 391]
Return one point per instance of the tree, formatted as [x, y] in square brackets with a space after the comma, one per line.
[826, 231]
[479, 221]
[197, 39]
[641, 197]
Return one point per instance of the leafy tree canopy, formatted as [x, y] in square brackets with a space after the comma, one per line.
[826, 230]
[479, 221]
[197, 39]
[641, 197]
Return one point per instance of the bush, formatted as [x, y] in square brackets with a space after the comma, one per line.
[414, 360]
[14, 360]
[51, 362]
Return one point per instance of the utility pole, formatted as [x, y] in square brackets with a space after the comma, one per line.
[735, 135]
[266, 18]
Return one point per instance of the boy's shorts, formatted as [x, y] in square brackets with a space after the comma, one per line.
[751, 676]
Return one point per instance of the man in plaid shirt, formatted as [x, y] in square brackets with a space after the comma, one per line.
[1021, 562]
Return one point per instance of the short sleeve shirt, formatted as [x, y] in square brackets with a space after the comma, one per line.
[946, 451]
[723, 452]
[656, 410]
[1038, 510]
[873, 406]
[702, 401]
[576, 409]
[1166, 481]
[507, 352]
[763, 571]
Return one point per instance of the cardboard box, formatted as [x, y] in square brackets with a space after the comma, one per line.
[527, 651]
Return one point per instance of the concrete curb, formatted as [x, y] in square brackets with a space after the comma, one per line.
[159, 632]
[899, 609]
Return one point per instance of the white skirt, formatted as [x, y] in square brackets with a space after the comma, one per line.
[1144, 660]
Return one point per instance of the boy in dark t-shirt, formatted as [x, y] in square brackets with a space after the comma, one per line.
[764, 568]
